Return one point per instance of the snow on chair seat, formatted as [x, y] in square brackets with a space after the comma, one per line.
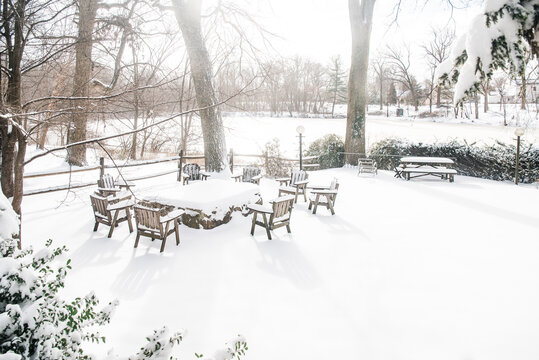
[104, 207]
[366, 166]
[325, 197]
[279, 214]
[295, 185]
[150, 224]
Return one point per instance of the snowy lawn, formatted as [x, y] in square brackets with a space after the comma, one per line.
[423, 269]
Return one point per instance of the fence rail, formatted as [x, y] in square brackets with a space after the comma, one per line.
[181, 160]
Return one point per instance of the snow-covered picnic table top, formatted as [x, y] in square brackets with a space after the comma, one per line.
[425, 160]
[207, 196]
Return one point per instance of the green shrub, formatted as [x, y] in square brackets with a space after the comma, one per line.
[329, 150]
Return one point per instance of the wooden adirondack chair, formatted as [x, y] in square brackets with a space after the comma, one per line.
[324, 196]
[366, 166]
[106, 186]
[250, 174]
[295, 185]
[104, 207]
[192, 172]
[151, 224]
[279, 214]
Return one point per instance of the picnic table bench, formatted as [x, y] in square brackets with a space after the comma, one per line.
[417, 166]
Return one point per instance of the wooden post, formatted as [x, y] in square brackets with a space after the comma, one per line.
[518, 156]
[180, 161]
[101, 167]
[232, 160]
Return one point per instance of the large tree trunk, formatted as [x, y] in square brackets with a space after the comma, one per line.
[188, 15]
[438, 96]
[76, 155]
[360, 12]
[10, 134]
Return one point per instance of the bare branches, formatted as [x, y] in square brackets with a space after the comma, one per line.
[103, 138]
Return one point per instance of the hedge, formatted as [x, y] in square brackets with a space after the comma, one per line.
[494, 162]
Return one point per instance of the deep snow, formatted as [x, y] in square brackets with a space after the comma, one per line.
[423, 269]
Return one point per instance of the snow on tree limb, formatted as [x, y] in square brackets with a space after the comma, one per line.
[498, 38]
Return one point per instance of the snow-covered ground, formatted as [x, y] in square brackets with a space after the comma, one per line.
[423, 269]
[247, 134]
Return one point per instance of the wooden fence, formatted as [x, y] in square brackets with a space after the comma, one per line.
[181, 159]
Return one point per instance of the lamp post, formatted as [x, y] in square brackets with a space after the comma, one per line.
[518, 132]
[300, 129]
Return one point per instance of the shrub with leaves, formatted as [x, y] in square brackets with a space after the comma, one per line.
[34, 322]
[494, 162]
[329, 150]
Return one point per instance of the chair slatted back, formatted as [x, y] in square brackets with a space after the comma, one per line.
[147, 217]
[334, 186]
[249, 173]
[100, 204]
[106, 181]
[282, 206]
[193, 170]
[298, 175]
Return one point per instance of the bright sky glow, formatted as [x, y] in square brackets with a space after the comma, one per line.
[320, 29]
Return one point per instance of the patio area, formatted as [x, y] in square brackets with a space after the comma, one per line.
[386, 277]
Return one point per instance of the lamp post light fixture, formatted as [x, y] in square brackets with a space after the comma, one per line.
[518, 132]
[300, 130]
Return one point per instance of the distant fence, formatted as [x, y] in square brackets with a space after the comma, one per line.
[181, 159]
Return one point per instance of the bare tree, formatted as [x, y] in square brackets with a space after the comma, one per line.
[400, 71]
[381, 71]
[437, 51]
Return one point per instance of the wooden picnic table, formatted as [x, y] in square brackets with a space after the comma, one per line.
[417, 166]
[426, 160]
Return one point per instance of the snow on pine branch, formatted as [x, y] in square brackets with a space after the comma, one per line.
[498, 38]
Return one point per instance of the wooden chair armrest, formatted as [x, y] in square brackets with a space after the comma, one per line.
[256, 177]
[121, 205]
[260, 208]
[237, 177]
[322, 192]
[318, 187]
[184, 175]
[171, 216]
[302, 182]
[108, 189]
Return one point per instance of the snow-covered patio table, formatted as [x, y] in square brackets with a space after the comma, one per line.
[207, 204]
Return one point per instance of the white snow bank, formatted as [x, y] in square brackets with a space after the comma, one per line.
[9, 220]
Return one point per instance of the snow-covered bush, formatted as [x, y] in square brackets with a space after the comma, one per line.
[34, 322]
[329, 150]
[495, 162]
[498, 38]
[9, 220]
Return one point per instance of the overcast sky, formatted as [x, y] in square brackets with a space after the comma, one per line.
[320, 29]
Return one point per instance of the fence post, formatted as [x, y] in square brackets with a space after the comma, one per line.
[101, 167]
[180, 160]
[231, 160]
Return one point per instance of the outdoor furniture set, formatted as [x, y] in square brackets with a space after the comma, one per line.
[108, 204]
[417, 166]
[280, 211]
